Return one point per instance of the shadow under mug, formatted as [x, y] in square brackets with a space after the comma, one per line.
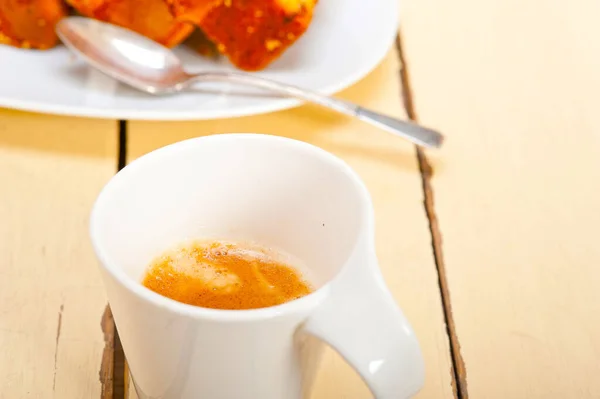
[278, 192]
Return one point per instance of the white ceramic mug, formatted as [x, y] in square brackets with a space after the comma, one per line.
[280, 193]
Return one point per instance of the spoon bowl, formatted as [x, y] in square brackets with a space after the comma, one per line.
[124, 55]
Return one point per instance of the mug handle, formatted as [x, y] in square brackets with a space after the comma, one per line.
[361, 321]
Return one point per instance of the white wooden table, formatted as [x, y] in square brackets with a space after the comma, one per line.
[489, 245]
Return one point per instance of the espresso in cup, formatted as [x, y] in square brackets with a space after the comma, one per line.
[226, 275]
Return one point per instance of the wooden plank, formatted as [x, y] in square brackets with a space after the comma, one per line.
[51, 297]
[389, 167]
[515, 86]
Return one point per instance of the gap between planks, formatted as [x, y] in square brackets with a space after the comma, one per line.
[459, 372]
[112, 368]
[119, 377]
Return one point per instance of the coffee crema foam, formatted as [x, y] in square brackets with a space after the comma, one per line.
[225, 275]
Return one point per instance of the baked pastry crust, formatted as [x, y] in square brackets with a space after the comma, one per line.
[30, 23]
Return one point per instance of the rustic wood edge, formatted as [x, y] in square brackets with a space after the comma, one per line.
[459, 371]
[106, 374]
[113, 371]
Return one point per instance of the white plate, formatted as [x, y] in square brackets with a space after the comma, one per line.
[346, 40]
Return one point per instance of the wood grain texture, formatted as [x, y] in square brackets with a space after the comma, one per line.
[515, 86]
[389, 167]
[51, 298]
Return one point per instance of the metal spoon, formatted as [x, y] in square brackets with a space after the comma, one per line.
[148, 66]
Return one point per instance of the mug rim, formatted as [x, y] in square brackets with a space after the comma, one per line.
[166, 303]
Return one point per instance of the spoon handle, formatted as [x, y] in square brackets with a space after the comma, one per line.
[417, 134]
